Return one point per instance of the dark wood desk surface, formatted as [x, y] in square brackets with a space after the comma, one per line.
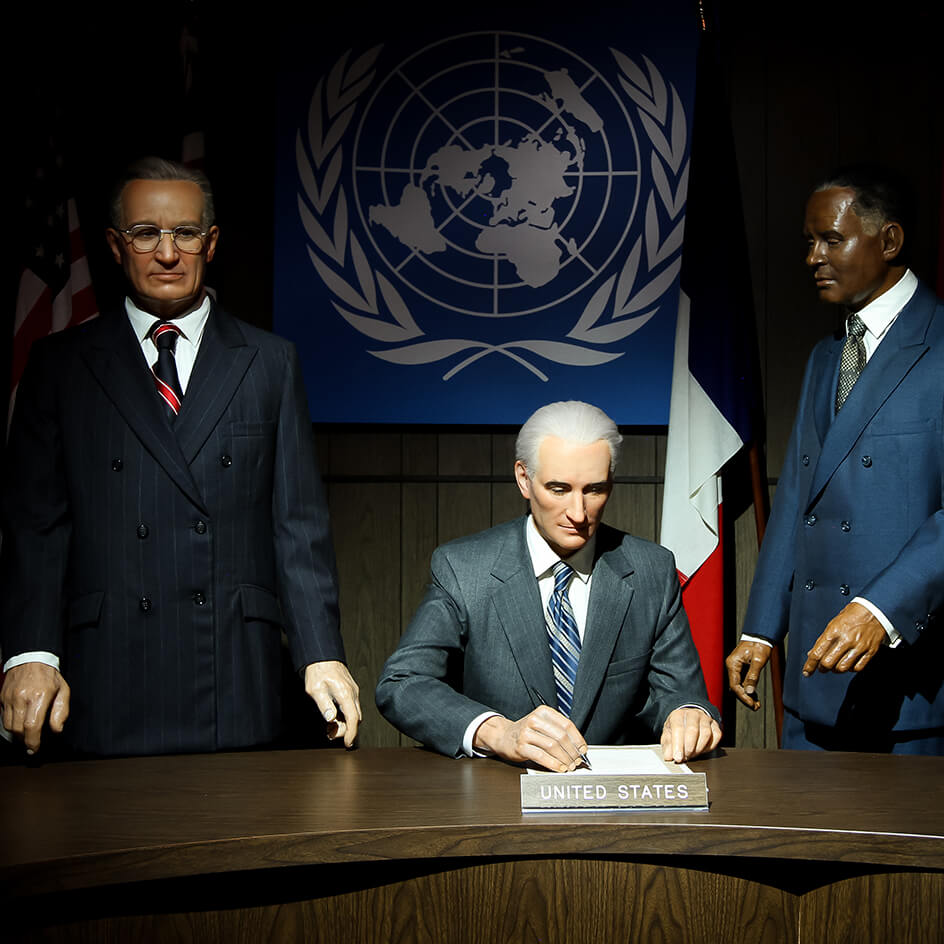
[81, 825]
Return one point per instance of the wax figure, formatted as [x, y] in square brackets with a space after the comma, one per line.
[162, 530]
[513, 654]
[852, 564]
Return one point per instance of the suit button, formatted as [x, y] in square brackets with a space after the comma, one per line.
[117, 465]
[805, 460]
[198, 598]
[919, 626]
[810, 520]
[226, 461]
[200, 527]
[809, 585]
[144, 604]
[143, 531]
[844, 589]
[845, 526]
[867, 461]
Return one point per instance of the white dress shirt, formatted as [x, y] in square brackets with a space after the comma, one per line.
[191, 327]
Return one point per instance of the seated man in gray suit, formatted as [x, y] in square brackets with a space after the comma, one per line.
[548, 632]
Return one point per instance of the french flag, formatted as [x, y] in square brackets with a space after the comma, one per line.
[715, 402]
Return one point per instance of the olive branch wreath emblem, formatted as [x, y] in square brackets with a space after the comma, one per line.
[370, 303]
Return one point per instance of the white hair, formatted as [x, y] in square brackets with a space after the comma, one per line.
[571, 420]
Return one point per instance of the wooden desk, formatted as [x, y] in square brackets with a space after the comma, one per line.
[403, 845]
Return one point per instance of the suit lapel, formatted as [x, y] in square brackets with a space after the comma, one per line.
[610, 596]
[221, 364]
[899, 351]
[115, 359]
[518, 605]
[825, 397]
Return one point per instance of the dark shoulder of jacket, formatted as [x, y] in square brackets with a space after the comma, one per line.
[633, 548]
[251, 333]
[76, 337]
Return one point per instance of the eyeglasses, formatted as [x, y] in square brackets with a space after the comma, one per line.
[146, 238]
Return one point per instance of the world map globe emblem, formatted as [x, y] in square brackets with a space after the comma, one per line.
[496, 174]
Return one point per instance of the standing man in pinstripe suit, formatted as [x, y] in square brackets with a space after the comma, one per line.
[163, 517]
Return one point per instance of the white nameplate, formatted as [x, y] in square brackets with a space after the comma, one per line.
[621, 778]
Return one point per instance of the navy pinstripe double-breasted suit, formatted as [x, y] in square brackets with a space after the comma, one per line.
[161, 562]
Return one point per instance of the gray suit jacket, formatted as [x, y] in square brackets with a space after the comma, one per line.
[478, 642]
[161, 562]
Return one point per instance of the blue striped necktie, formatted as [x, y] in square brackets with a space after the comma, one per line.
[564, 638]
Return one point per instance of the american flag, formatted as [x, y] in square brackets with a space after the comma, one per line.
[55, 289]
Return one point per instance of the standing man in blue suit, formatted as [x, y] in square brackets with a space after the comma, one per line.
[552, 630]
[163, 517]
[852, 564]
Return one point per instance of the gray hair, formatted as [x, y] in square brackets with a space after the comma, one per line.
[882, 195]
[571, 420]
[158, 168]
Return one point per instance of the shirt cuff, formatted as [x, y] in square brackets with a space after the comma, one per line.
[746, 638]
[47, 658]
[894, 637]
[467, 738]
[699, 707]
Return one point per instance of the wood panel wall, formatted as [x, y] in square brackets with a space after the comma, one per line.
[395, 496]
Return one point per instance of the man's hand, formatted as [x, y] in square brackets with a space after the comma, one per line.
[544, 737]
[688, 732]
[744, 665]
[30, 692]
[330, 684]
[849, 641]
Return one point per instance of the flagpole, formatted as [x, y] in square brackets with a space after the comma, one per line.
[761, 514]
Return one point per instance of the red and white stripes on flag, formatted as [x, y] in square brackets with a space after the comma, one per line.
[700, 442]
[55, 289]
[715, 406]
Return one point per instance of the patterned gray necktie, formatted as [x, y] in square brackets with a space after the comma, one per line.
[564, 638]
[852, 362]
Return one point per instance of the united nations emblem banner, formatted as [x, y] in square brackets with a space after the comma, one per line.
[478, 218]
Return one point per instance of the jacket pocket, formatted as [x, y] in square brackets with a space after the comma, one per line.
[86, 610]
[624, 666]
[260, 604]
[240, 428]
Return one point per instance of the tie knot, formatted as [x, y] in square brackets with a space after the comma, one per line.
[164, 335]
[855, 327]
[562, 574]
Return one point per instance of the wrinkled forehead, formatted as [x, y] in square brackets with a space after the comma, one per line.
[168, 202]
[566, 461]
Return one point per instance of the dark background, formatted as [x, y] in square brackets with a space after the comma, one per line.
[810, 86]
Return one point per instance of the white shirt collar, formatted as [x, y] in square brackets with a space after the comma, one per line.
[879, 314]
[191, 325]
[543, 558]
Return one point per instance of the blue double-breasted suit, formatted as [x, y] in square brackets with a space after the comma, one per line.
[858, 512]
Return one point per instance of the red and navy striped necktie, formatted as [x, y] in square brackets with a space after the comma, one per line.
[164, 334]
